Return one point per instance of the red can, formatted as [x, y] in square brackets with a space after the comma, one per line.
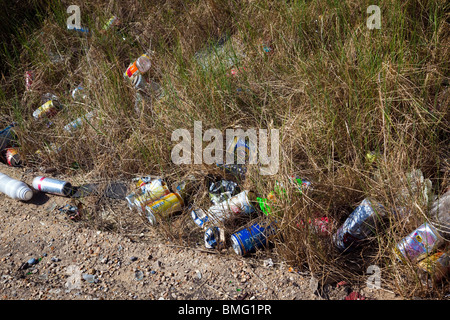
[12, 157]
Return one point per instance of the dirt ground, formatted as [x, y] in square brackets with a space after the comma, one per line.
[79, 261]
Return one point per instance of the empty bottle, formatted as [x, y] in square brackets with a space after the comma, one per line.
[141, 65]
[440, 214]
[15, 189]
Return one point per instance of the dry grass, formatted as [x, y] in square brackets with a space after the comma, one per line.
[335, 90]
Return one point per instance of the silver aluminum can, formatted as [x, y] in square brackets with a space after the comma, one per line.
[49, 185]
[419, 243]
[238, 204]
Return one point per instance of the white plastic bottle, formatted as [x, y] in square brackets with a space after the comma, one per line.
[15, 189]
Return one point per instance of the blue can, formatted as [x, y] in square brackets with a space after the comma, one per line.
[256, 236]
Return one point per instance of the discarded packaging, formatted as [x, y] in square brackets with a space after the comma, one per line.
[77, 93]
[252, 238]
[149, 193]
[214, 238]
[7, 137]
[29, 77]
[222, 190]
[113, 21]
[264, 203]
[436, 265]
[48, 109]
[79, 122]
[440, 214]
[53, 186]
[185, 187]
[141, 65]
[15, 189]
[419, 243]
[12, 157]
[164, 207]
[359, 225]
[238, 204]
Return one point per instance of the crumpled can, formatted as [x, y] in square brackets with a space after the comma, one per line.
[419, 243]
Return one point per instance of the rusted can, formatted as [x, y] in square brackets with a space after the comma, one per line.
[164, 207]
[419, 243]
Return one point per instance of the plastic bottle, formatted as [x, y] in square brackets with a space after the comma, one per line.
[140, 66]
[143, 63]
[15, 189]
[440, 214]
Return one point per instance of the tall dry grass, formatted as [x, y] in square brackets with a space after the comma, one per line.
[335, 89]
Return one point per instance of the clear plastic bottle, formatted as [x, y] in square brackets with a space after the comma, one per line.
[440, 214]
[15, 189]
[143, 63]
[140, 66]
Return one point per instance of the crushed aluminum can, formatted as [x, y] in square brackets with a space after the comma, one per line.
[215, 238]
[164, 207]
[222, 190]
[238, 204]
[359, 225]
[150, 193]
[54, 186]
[419, 243]
[252, 238]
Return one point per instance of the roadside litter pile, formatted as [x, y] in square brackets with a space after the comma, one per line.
[236, 217]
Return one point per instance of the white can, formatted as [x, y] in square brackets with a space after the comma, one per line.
[49, 185]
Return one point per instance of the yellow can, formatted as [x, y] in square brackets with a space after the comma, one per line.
[164, 207]
[150, 193]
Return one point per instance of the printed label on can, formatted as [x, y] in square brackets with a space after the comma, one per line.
[165, 206]
[419, 243]
[47, 109]
[249, 239]
[12, 157]
[151, 192]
